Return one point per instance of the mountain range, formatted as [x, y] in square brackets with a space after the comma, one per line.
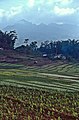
[42, 32]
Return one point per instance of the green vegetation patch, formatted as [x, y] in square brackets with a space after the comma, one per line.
[18, 102]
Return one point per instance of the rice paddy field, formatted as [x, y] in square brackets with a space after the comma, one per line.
[49, 92]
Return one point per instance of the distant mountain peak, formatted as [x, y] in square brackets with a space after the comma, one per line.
[23, 21]
[41, 32]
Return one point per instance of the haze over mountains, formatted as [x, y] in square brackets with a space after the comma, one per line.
[42, 32]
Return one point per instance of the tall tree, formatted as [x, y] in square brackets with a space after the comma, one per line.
[7, 39]
[26, 41]
[33, 46]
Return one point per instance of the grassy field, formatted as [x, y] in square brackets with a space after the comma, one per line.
[57, 84]
[66, 69]
[50, 77]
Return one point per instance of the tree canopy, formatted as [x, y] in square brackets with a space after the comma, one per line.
[7, 39]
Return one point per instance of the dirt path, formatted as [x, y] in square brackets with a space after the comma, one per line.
[56, 75]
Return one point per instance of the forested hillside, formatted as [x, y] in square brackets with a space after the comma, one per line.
[53, 50]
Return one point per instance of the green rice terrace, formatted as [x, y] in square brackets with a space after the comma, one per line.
[49, 92]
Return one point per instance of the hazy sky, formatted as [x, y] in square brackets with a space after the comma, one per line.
[37, 11]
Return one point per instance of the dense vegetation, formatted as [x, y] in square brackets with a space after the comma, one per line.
[61, 49]
[66, 49]
[30, 104]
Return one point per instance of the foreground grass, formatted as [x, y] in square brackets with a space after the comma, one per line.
[31, 104]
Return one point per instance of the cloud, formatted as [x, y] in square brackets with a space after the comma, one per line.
[13, 11]
[38, 11]
[65, 2]
[2, 12]
[63, 11]
[31, 3]
[48, 11]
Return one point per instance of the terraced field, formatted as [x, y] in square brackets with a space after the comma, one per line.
[65, 69]
[61, 77]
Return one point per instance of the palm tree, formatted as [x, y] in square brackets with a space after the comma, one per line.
[7, 39]
[33, 45]
[26, 41]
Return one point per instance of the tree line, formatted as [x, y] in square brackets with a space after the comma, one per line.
[68, 48]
